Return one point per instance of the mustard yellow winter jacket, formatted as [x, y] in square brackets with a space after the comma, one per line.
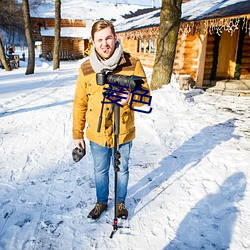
[88, 101]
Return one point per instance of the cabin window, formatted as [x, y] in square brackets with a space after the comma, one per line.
[152, 45]
[140, 45]
[146, 45]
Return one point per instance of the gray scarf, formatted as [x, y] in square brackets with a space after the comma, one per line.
[110, 64]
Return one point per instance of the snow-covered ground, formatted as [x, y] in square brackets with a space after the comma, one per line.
[189, 170]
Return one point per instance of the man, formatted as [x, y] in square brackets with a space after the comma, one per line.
[107, 54]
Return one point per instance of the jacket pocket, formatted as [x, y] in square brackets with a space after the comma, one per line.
[126, 120]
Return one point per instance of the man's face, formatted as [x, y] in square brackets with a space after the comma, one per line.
[104, 42]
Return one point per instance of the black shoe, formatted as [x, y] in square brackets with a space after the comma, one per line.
[122, 211]
[97, 210]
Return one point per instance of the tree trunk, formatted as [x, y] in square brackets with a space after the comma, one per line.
[56, 59]
[3, 57]
[28, 33]
[168, 34]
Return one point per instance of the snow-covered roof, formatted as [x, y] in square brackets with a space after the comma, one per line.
[85, 10]
[205, 9]
[79, 32]
[191, 11]
[145, 20]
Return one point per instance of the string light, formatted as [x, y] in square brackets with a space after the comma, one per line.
[218, 25]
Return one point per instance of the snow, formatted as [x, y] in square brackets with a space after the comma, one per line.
[86, 10]
[197, 9]
[145, 20]
[84, 33]
[189, 169]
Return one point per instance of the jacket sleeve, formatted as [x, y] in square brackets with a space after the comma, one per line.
[140, 97]
[80, 105]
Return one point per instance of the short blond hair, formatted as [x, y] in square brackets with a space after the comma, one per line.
[100, 25]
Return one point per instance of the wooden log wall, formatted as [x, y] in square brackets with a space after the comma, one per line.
[190, 56]
[73, 45]
[47, 45]
[146, 59]
[185, 59]
[178, 61]
[50, 22]
[131, 46]
[66, 44]
[79, 46]
[186, 55]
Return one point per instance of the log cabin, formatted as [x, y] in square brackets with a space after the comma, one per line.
[74, 37]
[213, 41]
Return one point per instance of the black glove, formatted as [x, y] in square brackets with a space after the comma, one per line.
[78, 153]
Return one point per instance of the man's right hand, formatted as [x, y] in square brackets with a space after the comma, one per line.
[79, 143]
[78, 152]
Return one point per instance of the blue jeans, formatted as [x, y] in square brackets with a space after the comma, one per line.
[102, 157]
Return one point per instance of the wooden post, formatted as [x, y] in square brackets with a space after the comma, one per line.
[144, 45]
[140, 42]
[201, 60]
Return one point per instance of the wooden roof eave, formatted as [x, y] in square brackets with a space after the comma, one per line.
[205, 26]
[138, 33]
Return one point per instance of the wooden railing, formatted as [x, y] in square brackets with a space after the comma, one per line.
[63, 55]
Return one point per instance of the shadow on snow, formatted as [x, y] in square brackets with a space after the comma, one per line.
[209, 225]
[207, 213]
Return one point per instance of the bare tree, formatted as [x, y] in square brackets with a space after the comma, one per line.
[168, 34]
[28, 33]
[3, 57]
[36, 3]
[11, 17]
[56, 59]
[11, 24]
